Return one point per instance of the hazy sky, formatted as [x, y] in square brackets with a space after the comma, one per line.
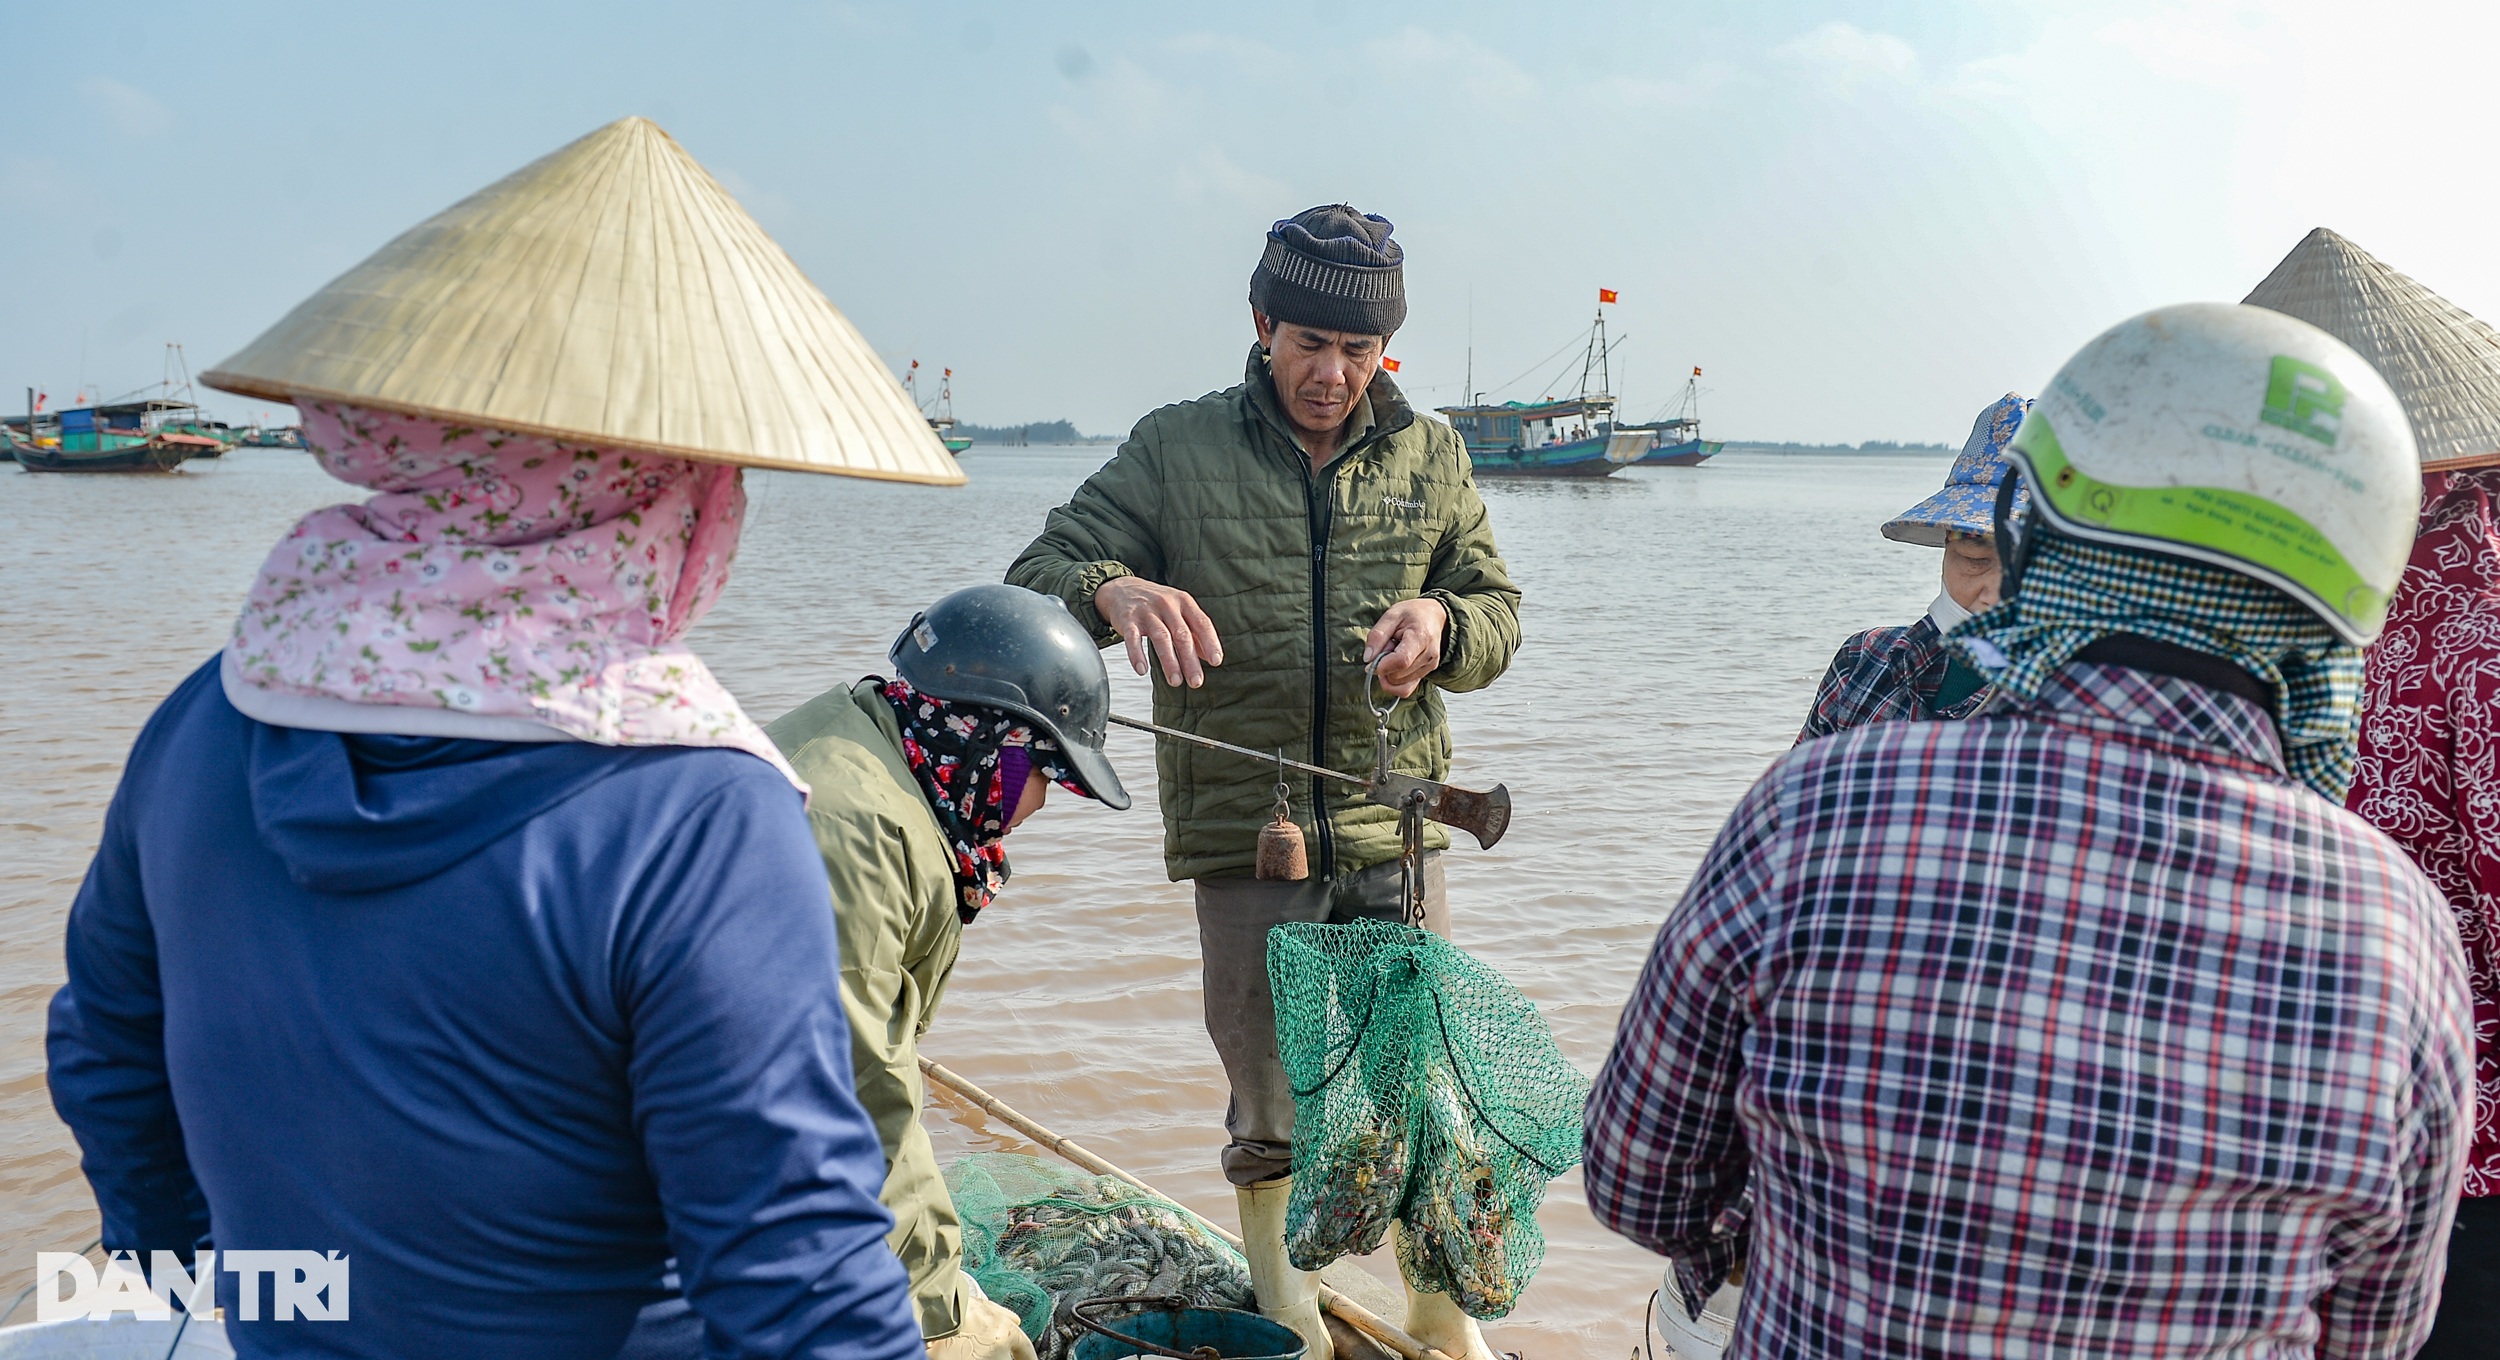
[1862, 221]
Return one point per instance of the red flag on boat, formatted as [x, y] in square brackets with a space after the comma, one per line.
[1605, 294]
[40, 399]
[1696, 370]
[1389, 364]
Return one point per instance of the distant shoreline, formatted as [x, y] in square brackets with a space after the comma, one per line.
[1880, 450]
[1846, 450]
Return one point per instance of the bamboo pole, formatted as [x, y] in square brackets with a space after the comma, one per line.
[1354, 1315]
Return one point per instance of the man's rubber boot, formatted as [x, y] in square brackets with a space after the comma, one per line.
[1285, 1294]
[1437, 1321]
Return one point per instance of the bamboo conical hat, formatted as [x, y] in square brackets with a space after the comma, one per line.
[2443, 363]
[611, 292]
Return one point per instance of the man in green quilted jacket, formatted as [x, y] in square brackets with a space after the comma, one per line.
[1255, 548]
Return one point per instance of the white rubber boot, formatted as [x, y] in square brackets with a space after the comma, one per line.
[1285, 1294]
[1436, 1319]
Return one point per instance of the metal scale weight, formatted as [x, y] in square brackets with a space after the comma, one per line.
[1282, 854]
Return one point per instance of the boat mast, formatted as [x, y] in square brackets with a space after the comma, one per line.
[1594, 363]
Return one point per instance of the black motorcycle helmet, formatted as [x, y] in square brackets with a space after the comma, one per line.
[1021, 651]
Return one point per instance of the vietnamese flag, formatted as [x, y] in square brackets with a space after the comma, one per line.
[1696, 370]
[1605, 294]
[1389, 363]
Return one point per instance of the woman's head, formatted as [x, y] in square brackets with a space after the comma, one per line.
[654, 535]
[1971, 571]
[984, 770]
[502, 575]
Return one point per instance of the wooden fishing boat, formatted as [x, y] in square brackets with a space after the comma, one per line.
[222, 436]
[1684, 453]
[1575, 436]
[158, 453]
[1679, 439]
[131, 436]
[279, 437]
[941, 415]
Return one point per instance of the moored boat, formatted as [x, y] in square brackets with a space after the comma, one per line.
[1684, 453]
[158, 453]
[130, 436]
[1571, 437]
[1679, 440]
[280, 437]
[218, 433]
[1574, 437]
[942, 418]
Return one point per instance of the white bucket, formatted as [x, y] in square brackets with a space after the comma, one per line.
[120, 1339]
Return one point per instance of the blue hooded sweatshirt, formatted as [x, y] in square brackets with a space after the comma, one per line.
[508, 1024]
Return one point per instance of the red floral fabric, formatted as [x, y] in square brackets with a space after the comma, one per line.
[2430, 750]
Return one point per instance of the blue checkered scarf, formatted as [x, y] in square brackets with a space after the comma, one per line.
[2075, 593]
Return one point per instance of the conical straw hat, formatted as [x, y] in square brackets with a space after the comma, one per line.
[2443, 363]
[612, 293]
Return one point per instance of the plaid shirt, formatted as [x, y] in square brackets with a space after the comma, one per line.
[2076, 1028]
[1886, 675]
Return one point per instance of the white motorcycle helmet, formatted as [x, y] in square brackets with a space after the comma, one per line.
[2236, 436]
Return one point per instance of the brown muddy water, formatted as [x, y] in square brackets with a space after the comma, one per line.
[1676, 620]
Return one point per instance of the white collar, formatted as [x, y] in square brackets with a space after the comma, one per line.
[1947, 614]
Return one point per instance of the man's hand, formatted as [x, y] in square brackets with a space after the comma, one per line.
[1145, 615]
[1409, 634]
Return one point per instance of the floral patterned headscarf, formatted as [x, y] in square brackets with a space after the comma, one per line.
[503, 575]
[964, 757]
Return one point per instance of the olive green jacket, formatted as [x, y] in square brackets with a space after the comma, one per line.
[894, 909]
[1215, 497]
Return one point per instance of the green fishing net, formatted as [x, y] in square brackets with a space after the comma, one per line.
[1039, 1238]
[1428, 1092]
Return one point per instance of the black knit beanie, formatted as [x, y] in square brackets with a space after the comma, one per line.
[1334, 268]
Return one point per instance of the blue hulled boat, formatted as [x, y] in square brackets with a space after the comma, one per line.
[1571, 437]
[1679, 440]
[130, 436]
[1575, 437]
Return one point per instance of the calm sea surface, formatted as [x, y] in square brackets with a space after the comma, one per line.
[1676, 622]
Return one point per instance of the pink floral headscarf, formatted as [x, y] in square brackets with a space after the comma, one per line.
[503, 575]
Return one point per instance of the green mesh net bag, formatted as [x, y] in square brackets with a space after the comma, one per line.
[1426, 1092]
[1039, 1238]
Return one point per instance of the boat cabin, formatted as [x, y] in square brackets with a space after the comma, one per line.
[1521, 425]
